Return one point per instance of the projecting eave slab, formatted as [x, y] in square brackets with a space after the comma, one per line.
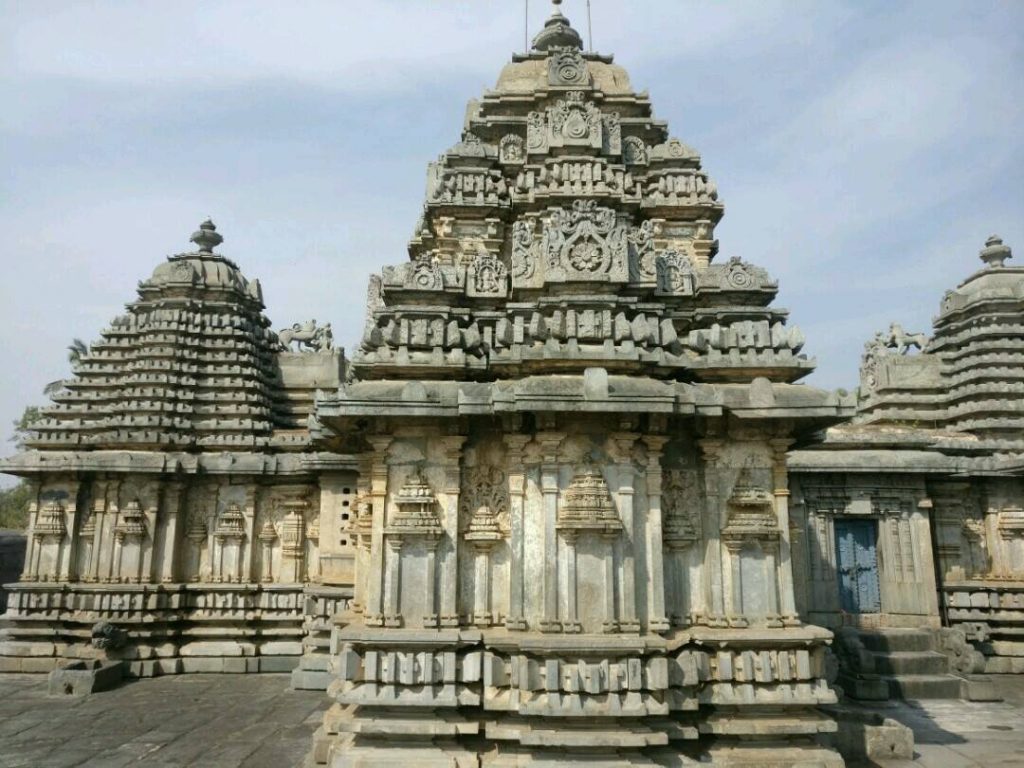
[874, 460]
[142, 462]
[592, 392]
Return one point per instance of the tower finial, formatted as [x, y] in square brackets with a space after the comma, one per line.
[207, 237]
[995, 253]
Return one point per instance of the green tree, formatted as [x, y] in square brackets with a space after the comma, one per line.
[14, 506]
[23, 426]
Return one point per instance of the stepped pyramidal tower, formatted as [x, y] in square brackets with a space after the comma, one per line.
[572, 539]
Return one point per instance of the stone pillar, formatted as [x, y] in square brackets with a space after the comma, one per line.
[572, 614]
[172, 505]
[715, 588]
[658, 620]
[780, 479]
[517, 493]
[362, 529]
[247, 548]
[734, 585]
[99, 517]
[549, 443]
[622, 443]
[378, 508]
[431, 618]
[611, 622]
[392, 579]
[71, 512]
[151, 512]
[31, 570]
[452, 446]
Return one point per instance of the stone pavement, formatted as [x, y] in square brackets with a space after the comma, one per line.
[961, 734]
[213, 721]
[256, 721]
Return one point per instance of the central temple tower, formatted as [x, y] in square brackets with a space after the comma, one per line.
[571, 527]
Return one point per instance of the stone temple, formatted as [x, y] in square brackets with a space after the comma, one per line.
[567, 501]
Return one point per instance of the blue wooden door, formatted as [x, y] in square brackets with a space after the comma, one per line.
[857, 561]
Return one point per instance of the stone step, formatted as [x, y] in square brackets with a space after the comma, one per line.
[911, 663]
[889, 640]
[924, 686]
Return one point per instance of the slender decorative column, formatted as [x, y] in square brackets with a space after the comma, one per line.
[247, 547]
[430, 617]
[31, 569]
[711, 450]
[99, 517]
[378, 502]
[734, 588]
[172, 505]
[658, 621]
[610, 623]
[515, 444]
[450, 522]
[66, 558]
[780, 479]
[392, 585]
[267, 537]
[572, 613]
[549, 443]
[362, 528]
[622, 443]
[146, 550]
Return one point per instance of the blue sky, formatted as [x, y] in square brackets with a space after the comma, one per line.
[864, 150]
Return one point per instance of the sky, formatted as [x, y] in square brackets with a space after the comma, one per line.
[864, 150]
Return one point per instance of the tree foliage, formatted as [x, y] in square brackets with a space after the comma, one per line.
[14, 506]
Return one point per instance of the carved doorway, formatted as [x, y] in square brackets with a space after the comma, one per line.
[857, 563]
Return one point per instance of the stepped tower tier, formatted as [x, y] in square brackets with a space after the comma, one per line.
[566, 229]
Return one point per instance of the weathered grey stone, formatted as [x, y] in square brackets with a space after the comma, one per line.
[80, 678]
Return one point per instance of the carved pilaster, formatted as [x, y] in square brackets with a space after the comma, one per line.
[780, 480]
[516, 471]
[622, 454]
[711, 450]
[549, 444]
[658, 621]
[374, 615]
[452, 447]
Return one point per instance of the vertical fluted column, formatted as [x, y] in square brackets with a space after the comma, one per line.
[622, 445]
[572, 615]
[430, 617]
[362, 532]
[392, 576]
[711, 450]
[99, 515]
[734, 585]
[452, 446]
[780, 479]
[378, 508]
[517, 495]
[68, 555]
[172, 506]
[611, 622]
[247, 547]
[549, 443]
[145, 561]
[658, 620]
[31, 569]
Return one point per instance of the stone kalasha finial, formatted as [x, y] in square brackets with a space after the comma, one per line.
[995, 254]
[207, 237]
[557, 32]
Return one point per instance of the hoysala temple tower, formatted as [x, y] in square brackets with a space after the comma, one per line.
[572, 540]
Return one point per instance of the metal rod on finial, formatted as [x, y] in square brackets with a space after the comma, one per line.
[526, 26]
[590, 29]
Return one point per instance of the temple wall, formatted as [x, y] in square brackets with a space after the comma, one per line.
[215, 573]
